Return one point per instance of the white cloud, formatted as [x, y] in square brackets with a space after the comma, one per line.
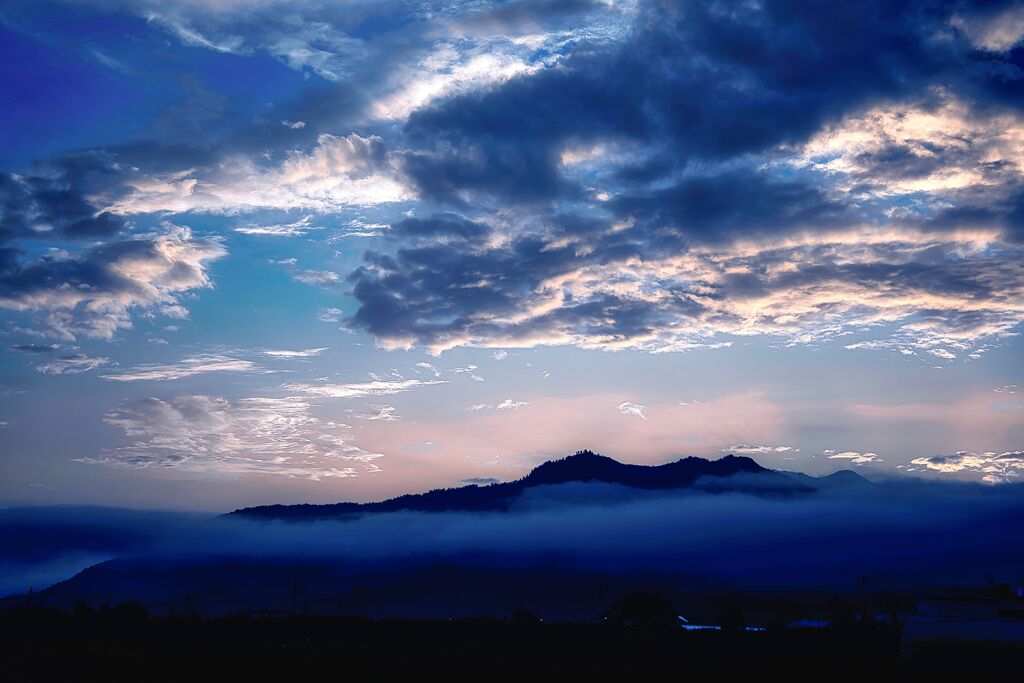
[499, 355]
[447, 71]
[360, 228]
[511, 404]
[379, 414]
[72, 365]
[317, 278]
[477, 407]
[993, 31]
[95, 292]
[852, 456]
[630, 408]
[995, 468]
[429, 367]
[1006, 389]
[284, 353]
[337, 172]
[747, 449]
[468, 370]
[210, 435]
[808, 288]
[296, 229]
[357, 390]
[193, 365]
[947, 146]
[190, 36]
[330, 315]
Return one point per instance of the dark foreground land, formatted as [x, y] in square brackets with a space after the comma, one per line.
[41, 644]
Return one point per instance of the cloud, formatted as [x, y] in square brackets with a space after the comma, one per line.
[93, 293]
[468, 370]
[737, 196]
[747, 449]
[511, 404]
[1006, 389]
[852, 456]
[616, 289]
[378, 414]
[296, 229]
[935, 145]
[337, 172]
[500, 354]
[635, 409]
[54, 200]
[997, 30]
[996, 468]
[329, 315]
[35, 348]
[357, 390]
[72, 365]
[429, 367]
[692, 82]
[317, 278]
[193, 365]
[284, 353]
[208, 435]
[448, 225]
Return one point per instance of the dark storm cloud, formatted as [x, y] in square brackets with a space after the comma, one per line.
[35, 348]
[704, 80]
[433, 293]
[732, 204]
[52, 203]
[436, 294]
[997, 207]
[653, 288]
[440, 225]
[525, 15]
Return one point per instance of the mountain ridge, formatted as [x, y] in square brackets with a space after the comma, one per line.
[582, 466]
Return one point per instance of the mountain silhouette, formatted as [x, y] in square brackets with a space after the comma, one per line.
[730, 473]
[839, 479]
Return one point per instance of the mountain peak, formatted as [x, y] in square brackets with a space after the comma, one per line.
[742, 463]
[580, 467]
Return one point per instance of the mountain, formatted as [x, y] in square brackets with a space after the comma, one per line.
[730, 473]
[836, 480]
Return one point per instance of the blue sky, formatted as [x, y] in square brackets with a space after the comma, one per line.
[255, 251]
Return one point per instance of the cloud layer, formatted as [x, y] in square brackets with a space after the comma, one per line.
[209, 435]
[93, 293]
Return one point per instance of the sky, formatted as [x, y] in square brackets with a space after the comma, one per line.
[256, 251]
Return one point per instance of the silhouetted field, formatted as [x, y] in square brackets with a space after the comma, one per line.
[126, 640]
